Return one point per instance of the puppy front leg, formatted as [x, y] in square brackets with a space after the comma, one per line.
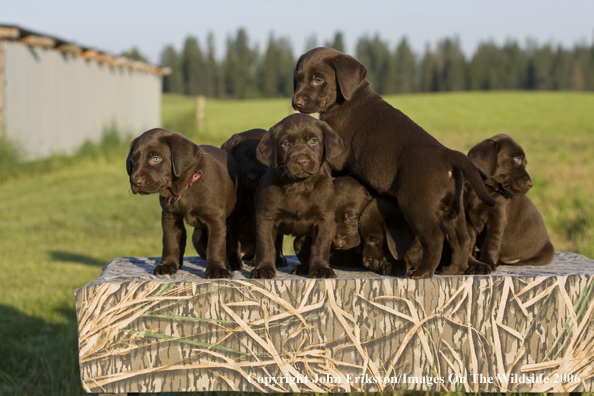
[233, 245]
[476, 267]
[265, 267]
[216, 266]
[489, 251]
[174, 244]
[319, 260]
[302, 247]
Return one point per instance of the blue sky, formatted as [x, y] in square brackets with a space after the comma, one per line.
[117, 25]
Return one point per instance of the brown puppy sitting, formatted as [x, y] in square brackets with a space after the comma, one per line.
[513, 232]
[296, 195]
[197, 184]
[390, 153]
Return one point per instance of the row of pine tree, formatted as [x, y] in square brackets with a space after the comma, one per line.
[245, 72]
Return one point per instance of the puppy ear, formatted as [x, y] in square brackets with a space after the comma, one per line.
[252, 134]
[333, 145]
[231, 142]
[484, 156]
[129, 167]
[349, 74]
[184, 153]
[266, 151]
[295, 72]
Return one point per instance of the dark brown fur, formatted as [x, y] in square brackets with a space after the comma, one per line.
[296, 195]
[351, 199]
[389, 152]
[166, 162]
[513, 232]
[242, 146]
[386, 236]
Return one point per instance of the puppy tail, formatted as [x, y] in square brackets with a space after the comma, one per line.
[471, 173]
[458, 179]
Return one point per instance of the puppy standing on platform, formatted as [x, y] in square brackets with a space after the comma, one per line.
[197, 184]
[390, 153]
[296, 195]
[513, 232]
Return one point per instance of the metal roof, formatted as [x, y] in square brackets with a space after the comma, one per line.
[29, 37]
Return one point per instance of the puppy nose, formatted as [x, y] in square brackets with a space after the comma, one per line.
[529, 183]
[298, 103]
[339, 242]
[302, 161]
[137, 181]
[252, 176]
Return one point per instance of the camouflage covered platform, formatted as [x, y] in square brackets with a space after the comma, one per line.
[527, 329]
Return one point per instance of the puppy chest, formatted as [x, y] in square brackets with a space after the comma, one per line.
[195, 220]
[299, 222]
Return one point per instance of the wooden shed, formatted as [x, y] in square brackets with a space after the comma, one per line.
[55, 94]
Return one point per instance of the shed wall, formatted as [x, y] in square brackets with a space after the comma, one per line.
[54, 101]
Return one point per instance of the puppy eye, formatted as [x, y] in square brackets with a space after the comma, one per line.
[518, 160]
[245, 156]
[286, 143]
[313, 141]
[155, 160]
[318, 81]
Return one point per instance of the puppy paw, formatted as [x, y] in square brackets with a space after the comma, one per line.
[479, 269]
[166, 269]
[263, 273]
[385, 269]
[410, 272]
[302, 269]
[421, 273]
[281, 261]
[374, 263]
[217, 273]
[323, 272]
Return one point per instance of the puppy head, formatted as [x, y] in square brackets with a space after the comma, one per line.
[502, 161]
[351, 199]
[242, 146]
[380, 226]
[157, 158]
[299, 144]
[323, 77]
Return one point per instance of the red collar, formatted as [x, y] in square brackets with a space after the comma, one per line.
[197, 175]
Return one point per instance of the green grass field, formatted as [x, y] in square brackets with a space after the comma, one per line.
[62, 219]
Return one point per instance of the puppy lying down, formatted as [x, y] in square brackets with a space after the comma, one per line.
[351, 198]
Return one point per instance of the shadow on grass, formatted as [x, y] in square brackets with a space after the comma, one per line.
[38, 357]
[75, 258]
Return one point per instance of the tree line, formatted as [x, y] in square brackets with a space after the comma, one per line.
[246, 72]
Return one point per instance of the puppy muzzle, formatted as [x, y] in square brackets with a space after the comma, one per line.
[344, 242]
[301, 165]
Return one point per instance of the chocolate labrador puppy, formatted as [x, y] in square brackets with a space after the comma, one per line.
[242, 146]
[351, 198]
[386, 235]
[513, 232]
[389, 152]
[296, 195]
[197, 184]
